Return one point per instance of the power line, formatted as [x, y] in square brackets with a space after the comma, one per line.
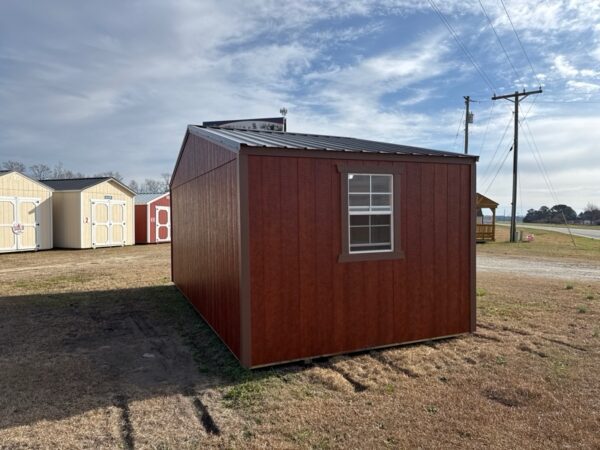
[499, 40]
[520, 43]
[498, 171]
[576, 102]
[487, 127]
[458, 130]
[479, 70]
[516, 98]
[489, 166]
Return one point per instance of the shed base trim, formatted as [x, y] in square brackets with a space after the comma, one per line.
[352, 352]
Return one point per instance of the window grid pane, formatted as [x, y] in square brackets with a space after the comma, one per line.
[370, 213]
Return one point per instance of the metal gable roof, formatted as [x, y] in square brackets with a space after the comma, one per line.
[144, 199]
[236, 139]
[79, 184]
[74, 184]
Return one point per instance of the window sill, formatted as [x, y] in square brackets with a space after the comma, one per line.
[375, 256]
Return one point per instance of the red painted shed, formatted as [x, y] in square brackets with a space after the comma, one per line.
[152, 218]
[293, 246]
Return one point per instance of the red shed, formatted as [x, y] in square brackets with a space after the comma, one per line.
[293, 246]
[152, 218]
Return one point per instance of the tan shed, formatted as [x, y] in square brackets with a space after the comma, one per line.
[25, 213]
[92, 212]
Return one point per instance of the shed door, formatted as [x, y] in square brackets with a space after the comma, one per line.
[27, 214]
[108, 223]
[100, 223]
[163, 224]
[19, 227]
[8, 218]
[118, 225]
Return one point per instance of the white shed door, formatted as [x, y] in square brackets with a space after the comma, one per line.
[163, 224]
[108, 223]
[19, 227]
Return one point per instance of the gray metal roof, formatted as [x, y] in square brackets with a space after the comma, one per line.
[74, 184]
[143, 199]
[236, 139]
[79, 184]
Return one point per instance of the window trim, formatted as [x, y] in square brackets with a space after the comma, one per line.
[370, 169]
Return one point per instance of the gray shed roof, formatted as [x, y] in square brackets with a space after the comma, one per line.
[143, 199]
[236, 139]
[79, 184]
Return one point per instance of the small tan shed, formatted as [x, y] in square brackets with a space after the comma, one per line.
[25, 213]
[92, 212]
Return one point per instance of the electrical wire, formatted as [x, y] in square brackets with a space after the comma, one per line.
[497, 172]
[486, 128]
[491, 164]
[479, 70]
[499, 40]
[520, 43]
[460, 122]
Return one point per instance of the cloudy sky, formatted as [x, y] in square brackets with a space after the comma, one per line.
[111, 85]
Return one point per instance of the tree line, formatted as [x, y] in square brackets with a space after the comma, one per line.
[45, 172]
[562, 213]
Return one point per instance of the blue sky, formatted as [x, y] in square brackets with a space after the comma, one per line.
[112, 85]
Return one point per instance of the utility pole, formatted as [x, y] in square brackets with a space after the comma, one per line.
[515, 98]
[283, 111]
[468, 120]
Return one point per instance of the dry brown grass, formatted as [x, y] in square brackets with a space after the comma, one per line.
[98, 350]
[546, 244]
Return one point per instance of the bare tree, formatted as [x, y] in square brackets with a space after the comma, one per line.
[150, 186]
[134, 186]
[40, 171]
[166, 178]
[110, 173]
[14, 165]
[59, 172]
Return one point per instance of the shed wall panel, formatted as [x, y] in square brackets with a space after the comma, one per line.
[141, 224]
[305, 303]
[199, 156]
[205, 240]
[67, 219]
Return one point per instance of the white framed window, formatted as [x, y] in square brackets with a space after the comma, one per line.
[370, 212]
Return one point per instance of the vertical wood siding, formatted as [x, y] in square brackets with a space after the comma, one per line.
[141, 224]
[199, 156]
[205, 236]
[305, 303]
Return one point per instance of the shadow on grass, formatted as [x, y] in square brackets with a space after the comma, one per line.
[64, 354]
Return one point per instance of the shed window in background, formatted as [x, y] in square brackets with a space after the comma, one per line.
[370, 212]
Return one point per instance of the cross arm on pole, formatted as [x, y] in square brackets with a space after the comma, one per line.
[516, 94]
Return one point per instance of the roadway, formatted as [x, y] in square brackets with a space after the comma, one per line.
[592, 233]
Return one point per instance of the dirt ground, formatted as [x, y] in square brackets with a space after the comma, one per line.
[99, 350]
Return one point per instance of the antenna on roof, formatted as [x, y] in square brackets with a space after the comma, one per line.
[283, 111]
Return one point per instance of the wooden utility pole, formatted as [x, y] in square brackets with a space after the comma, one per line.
[515, 98]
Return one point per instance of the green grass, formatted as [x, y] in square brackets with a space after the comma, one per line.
[34, 285]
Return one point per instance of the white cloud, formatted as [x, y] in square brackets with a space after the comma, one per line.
[581, 86]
